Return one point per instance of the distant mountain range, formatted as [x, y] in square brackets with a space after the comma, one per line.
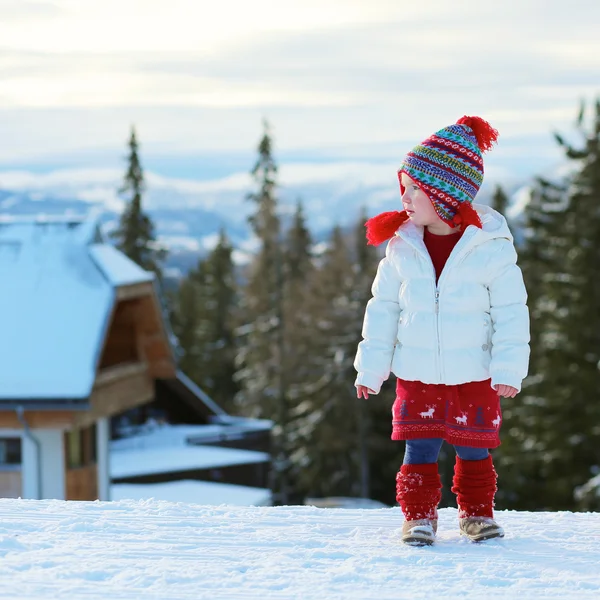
[188, 214]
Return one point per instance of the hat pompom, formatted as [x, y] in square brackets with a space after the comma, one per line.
[382, 227]
[486, 135]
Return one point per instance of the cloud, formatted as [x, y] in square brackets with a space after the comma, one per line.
[350, 77]
[26, 11]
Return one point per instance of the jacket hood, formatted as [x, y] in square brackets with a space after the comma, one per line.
[493, 224]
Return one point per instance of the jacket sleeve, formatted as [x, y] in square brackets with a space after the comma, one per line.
[510, 318]
[380, 327]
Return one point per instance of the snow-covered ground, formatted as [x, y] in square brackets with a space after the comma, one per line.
[160, 550]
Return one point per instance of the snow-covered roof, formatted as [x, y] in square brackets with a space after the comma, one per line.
[193, 492]
[119, 269]
[154, 435]
[60, 282]
[150, 461]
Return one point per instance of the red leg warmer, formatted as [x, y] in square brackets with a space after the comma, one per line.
[418, 491]
[474, 484]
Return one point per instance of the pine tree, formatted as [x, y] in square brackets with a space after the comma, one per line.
[335, 458]
[365, 267]
[298, 258]
[260, 360]
[299, 306]
[554, 432]
[500, 200]
[203, 319]
[186, 306]
[135, 235]
[302, 364]
[222, 301]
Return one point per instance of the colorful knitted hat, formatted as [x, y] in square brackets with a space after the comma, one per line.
[448, 167]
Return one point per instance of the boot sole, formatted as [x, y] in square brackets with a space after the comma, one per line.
[482, 537]
[417, 541]
[419, 537]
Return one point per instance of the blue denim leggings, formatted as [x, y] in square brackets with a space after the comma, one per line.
[425, 451]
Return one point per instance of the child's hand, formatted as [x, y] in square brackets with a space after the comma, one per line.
[363, 392]
[506, 391]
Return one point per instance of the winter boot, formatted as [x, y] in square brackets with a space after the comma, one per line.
[478, 529]
[474, 484]
[420, 532]
[418, 491]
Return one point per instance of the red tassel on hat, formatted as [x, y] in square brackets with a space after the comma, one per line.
[384, 226]
[486, 135]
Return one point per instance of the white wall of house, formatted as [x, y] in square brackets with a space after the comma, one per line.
[103, 457]
[53, 463]
[44, 479]
[30, 468]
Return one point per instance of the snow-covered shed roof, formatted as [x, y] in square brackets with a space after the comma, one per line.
[193, 492]
[135, 462]
[59, 285]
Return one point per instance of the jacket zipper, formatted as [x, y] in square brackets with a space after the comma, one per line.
[437, 297]
[437, 331]
[437, 306]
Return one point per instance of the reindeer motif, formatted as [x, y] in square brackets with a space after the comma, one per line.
[496, 421]
[462, 420]
[428, 414]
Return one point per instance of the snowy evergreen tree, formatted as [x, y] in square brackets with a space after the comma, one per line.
[365, 267]
[135, 235]
[222, 296]
[500, 200]
[553, 426]
[261, 359]
[203, 317]
[336, 424]
[186, 306]
[327, 415]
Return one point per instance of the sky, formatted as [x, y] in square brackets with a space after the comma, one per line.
[336, 80]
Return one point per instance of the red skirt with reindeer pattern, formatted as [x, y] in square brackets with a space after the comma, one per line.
[468, 414]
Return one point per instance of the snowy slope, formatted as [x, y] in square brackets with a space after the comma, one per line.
[167, 551]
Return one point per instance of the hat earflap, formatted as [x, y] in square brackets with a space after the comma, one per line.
[382, 227]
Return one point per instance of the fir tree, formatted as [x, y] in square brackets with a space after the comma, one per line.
[554, 436]
[203, 317]
[365, 267]
[298, 258]
[328, 415]
[299, 306]
[135, 235]
[186, 305]
[500, 200]
[260, 360]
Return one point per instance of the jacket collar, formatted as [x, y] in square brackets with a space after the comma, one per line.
[493, 226]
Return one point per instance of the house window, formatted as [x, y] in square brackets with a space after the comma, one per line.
[10, 451]
[80, 447]
[74, 453]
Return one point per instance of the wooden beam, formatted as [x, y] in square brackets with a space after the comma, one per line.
[38, 419]
[109, 375]
[117, 395]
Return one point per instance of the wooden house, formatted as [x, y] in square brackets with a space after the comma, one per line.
[82, 340]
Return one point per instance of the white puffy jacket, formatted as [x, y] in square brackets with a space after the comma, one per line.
[472, 325]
